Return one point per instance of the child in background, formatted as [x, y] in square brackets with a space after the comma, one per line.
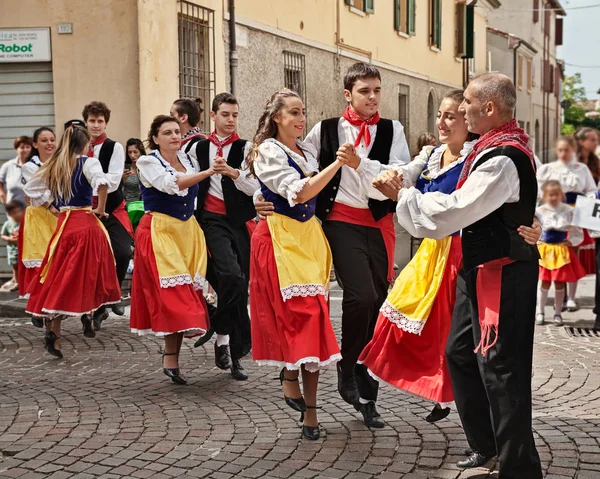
[10, 233]
[559, 263]
[425, 139]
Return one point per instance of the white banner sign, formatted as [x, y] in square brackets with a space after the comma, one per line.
[25, 45]
[587, 213]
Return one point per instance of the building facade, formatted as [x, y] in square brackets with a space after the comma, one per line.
[534, 28]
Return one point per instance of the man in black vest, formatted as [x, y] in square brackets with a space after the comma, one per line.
[188, 113]
[360, 231]
[112, 158]
[223, 208]
[496, 291]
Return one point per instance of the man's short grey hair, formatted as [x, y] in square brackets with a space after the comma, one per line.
[498, 89]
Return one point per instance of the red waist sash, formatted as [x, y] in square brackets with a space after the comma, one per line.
[120, 213]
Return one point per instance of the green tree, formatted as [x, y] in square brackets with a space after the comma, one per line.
[573, 96]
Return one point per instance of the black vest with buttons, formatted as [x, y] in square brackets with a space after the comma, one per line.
[239, 206]
[114, 199]
[329, 145]
[496, 236]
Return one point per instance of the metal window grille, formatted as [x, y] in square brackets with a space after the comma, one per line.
[295, 73]
[196, 30]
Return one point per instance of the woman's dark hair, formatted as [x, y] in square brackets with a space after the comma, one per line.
[36, 136]
[138, 144]
[191, 108]
[158, 121]
[267, 128]
[592, 161]
[457, 95]
[357, 72]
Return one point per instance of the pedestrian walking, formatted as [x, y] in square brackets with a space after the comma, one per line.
[77, 275]
[170, 250]
[290, 258]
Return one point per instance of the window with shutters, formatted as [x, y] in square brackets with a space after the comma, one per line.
[366, 6]
[196, 35]
[403, 108]
[520, 71]
[529, 75]
[536, 11]
[558, 31]
[435, 23]
[547, 18]
[404, 16]
[461, 29]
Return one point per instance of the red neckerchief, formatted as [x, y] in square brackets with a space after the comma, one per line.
[352, 117]
[509, 134]
[98, 141]
[220, 144]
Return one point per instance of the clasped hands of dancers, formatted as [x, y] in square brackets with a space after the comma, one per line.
[352, 173]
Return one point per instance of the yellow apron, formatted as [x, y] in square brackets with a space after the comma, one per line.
[302, 256]
[554, 256]
[40, 225]
[178, 263]
[410, 301]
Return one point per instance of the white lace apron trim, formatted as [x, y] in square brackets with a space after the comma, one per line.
[399, 319]
[311, 363]
[304, 290]
[182, 279]
[162, 334]
[31, 263]
[47, 313]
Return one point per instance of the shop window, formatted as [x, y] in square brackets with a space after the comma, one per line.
[196, 35]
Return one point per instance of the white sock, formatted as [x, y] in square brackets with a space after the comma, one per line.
[542, 297]
[571, 290]
[222, 339]
[559, 297]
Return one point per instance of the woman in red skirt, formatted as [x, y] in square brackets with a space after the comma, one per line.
[77, 275]
[290, 259]
[170, 250]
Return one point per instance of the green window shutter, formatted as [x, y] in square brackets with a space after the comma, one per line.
[369, 6]
[438, 23]
[397, 15]
[470, 32]
[411, 15]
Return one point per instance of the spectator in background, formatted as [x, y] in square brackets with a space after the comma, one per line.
[131, 179]
[10, 233]
[11, 180]
[425, 139]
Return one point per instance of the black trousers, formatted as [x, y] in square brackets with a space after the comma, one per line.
[361, 264]
[228, 272]
[597, 294]
[493, 393]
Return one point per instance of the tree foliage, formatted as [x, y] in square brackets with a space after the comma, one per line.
[574, 95]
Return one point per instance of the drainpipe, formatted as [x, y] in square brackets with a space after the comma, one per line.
[233, 55]
[515, 56]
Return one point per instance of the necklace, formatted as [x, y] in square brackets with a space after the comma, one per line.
[446, 163]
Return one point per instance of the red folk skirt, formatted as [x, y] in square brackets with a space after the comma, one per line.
[291, 333]
[587, 253]
[81, 273]
[157, 310]
[417, 363]
[569, 273]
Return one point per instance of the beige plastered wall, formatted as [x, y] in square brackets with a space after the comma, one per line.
[99, 61]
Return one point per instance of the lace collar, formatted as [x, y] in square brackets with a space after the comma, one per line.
[184, 159]
[435, 159]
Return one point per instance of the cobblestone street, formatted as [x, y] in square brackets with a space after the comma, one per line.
[107, 410]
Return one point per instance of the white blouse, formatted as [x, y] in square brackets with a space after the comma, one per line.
[163, 177]
[115, 167]
[273, 170]
[245, 182]
[574, 177]
[559, 219]
[352, 190]
[38, 192]
[30, 168]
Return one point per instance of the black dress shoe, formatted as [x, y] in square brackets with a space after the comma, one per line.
[99, 315]
[437, 414]
[237, 370]
[204, 339]
[222, 357]
[370, 415]
[37, 322]
[297, 404]
[118, 309]
[347, 386]
[474, 460]
[174, 373]
[50, 339]
[88, 327]
[310, 432]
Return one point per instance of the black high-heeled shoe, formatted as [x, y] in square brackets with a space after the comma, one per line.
[173, 373]
[37, 322]
[437, 413]
[50, 339]
[310, 432]
[297, 404]
[88, 326]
